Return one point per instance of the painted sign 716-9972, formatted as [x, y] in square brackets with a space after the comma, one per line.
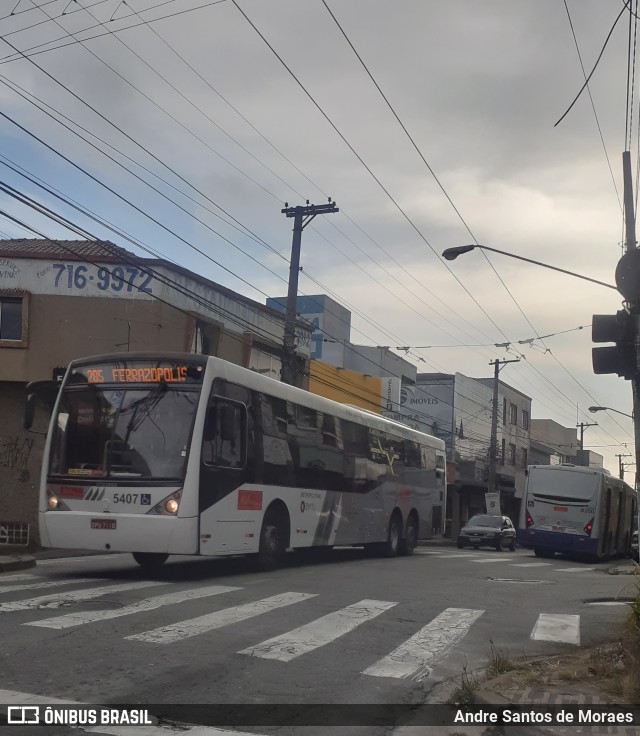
[118, 278]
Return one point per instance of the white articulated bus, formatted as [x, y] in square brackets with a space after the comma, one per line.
[576, 510]
[185, 454]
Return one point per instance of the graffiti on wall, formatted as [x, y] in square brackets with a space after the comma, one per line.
[14, 455]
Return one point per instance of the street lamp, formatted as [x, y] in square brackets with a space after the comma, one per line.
[594, 409]
[450, 254]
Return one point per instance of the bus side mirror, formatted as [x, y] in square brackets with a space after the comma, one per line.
[46, 392]
[29, 408]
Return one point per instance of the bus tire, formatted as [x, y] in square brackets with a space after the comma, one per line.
[410, 541]
[150, 560]
[272, 545]
[392, 545]
[539, 552]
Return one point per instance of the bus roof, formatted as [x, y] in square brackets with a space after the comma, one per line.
[251, 379]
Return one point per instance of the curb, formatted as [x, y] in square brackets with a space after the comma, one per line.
[19, 562]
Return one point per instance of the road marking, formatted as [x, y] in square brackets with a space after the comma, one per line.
[416, 656]
[83, 558]
[56, 600]
[147, 604]
[574, 569]
[210, 621]
[45, 584]
[562, 627]
[491, 559]
[319, 632]
[530, 564]
[11, 697]
[608, 603]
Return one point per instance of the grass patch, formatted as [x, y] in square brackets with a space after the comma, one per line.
[464, 694]
[499, 663]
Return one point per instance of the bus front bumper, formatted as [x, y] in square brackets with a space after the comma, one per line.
[119, 532]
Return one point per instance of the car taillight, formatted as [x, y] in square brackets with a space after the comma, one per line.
[529, 521]
[589, 528]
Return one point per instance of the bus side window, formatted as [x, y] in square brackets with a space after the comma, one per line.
[223, 443]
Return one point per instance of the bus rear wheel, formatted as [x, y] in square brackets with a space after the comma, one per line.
[539, 552]
[150, 560]
[410, 541]
[271, 542]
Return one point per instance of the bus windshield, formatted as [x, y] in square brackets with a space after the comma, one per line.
[123, 432]
[562, 485]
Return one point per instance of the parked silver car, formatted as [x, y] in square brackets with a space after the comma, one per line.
[486, 530]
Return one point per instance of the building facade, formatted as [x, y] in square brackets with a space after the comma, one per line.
[61, 300]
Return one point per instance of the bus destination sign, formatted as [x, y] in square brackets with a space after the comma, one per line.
[139, 372]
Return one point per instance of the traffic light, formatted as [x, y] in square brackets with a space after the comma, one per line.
[621, 329]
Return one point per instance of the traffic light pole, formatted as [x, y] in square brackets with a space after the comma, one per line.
[634, 304]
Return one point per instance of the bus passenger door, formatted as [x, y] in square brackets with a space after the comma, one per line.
[223, 467]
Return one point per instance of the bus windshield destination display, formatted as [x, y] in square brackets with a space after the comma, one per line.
[139, 373]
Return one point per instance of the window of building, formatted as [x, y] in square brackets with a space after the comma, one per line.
[13, 320]
[525, 419]
[512, 454]
[502, 451]
[504, 411]
[513, 414]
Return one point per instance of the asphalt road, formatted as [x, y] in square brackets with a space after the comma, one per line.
[351, 630]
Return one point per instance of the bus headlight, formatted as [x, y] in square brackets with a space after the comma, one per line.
[54, 503]
[168, 506]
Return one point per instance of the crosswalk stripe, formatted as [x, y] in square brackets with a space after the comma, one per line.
[530, 564]
[319, 632]
[561, 627]
[55, 600]
[575, 569]
[484, 560]
[147, 604]
[45, 584]
[418, 654]
[224, 617]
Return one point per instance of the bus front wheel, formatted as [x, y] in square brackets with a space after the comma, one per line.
[150, 560]
[271, 542]
[392, 545]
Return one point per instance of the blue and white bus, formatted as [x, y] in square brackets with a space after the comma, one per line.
[576, 510]
[186, 454]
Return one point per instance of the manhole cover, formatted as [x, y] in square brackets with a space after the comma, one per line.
[520, 580]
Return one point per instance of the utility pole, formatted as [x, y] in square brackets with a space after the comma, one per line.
[493, 442]
[582, 426]
[621, 465]
[302, 217]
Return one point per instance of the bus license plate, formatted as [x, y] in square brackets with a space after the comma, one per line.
[103, 523]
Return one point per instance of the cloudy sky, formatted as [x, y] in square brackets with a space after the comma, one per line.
[246, 104]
